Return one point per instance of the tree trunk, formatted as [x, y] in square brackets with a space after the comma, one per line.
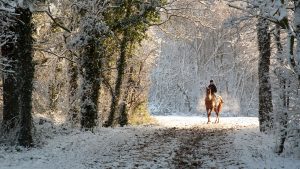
[124, 105]
[10, 88]
[54, 88]
[24, 48]
[282, 113]
[18, 78]
[297, 31]
[121, 65]
[265, 95]
[90, 87]
[73, 89]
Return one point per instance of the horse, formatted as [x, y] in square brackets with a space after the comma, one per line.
[213, 104]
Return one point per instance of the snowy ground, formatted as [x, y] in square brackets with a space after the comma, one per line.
[176, 142]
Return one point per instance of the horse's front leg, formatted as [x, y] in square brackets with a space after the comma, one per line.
[208, 115]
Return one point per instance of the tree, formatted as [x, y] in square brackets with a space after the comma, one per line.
[25, 52]
[18, 86]
[282, 115]
[88, 42]
[265, 95]
[72, 90]
[10, 83]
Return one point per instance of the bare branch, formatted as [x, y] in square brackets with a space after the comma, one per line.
[59, 56]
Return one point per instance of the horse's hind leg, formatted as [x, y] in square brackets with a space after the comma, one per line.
[218, 110]
[217, 116]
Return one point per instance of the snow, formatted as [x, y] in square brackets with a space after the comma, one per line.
[257, 150]
[189, 121]
[151, 146]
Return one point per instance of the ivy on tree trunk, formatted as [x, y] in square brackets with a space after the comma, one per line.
[73, 89]
[10, 87]
[265, 95]
[24, 45]
[18, 86]
[90, 87]
[121, 65]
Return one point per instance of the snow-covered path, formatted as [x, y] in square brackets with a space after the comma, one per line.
[176, 142]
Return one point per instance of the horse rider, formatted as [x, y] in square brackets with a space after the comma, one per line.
[213, 88]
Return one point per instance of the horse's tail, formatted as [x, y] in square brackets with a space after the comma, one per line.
[221, 99]
[220, 105]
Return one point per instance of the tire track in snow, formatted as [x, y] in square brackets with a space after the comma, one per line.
[196, 147]
[201, 147]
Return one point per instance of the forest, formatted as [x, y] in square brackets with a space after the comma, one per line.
[98, 66]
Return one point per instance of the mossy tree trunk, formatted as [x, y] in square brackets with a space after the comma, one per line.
[265, 95]
[90, 65]
[73, 89]
[18, 80]
[24, 45]
[124, 106]
[10, 86]
[54, 88]
[121, 66]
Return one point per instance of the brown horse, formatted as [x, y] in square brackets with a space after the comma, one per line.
[213, 104]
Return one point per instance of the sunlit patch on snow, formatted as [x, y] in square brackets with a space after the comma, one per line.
[189, 121]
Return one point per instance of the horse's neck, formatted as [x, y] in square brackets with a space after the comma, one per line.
[212, 97]
[209, 96]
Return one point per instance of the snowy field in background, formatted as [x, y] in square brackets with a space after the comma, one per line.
[138, 147]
